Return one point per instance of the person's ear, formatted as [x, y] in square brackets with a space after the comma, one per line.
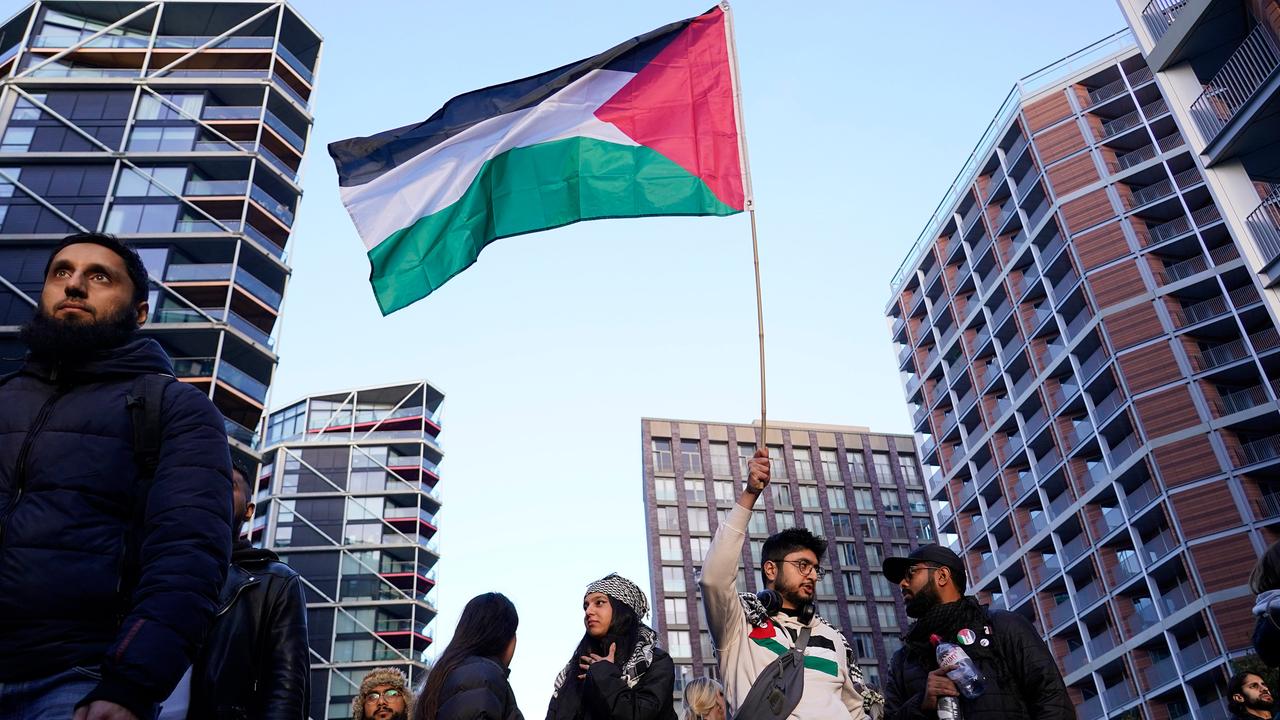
[143, 309]
[248, 511]
[770, 570]
[942, 576]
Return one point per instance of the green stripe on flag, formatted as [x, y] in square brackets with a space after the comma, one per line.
[820, 664]
[529, 189]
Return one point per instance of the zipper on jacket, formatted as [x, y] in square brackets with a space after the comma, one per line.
[20, 471]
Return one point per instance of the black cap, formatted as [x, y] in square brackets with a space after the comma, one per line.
[895, 568]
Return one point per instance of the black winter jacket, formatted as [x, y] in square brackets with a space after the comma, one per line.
[67, 485]
[1035, 691]
[478, 690]
[255, 663]
[606, 696]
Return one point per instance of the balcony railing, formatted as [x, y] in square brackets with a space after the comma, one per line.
[1114, 127]
[1160, 671]
[1093, 364]
[239, 432]
[300, 67]
[1106, 92]
[230, 112]
[1233, 85]
[240, 380]
[1134, 157]
[1264, 225]
[1061, 615]
[1159, 15]
[1261, 450]
[1177, 598]
[1089, 594]
[1155, 109]
[1109, 405]
[1141, 496]
[1159, 546]
[1015, 151]
[1268, 506]
[1076, 547]
[1197, 655]
[1152, 192]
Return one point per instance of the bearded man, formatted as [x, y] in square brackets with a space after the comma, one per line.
[1249, 697]
[1022, 679]
[115, 501]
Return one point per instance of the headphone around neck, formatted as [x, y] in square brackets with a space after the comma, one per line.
[772, 602]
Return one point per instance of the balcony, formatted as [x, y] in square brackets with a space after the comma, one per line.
[1235, 401]
[236, 431]
[1114, 127]
[1197, 655]
[240, 380]
[1106, 92]
[1236, 83]
[1015, 151]
[1093, 364]
[1072, 662]
[1161, 671]
[1264, 225]
[222, 272]
[1268, 506]
[1119, 695]
[1046, 463]
[1141, 497]
[1018, 591]
[1261, 450]
[1075, 548]
[1159, 546]
[1234, 350]
[1061, 615]
[1089, 594]
[1177, 598]
[1159, 15]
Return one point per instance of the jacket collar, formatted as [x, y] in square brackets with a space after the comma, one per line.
[139, 356]
[238, 580]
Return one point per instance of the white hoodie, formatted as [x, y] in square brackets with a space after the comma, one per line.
[744, 651]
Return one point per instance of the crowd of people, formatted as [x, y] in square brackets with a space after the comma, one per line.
[130, 593]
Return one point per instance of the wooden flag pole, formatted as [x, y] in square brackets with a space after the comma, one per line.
[750, 206]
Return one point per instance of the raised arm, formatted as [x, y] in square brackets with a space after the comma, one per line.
[720, 569]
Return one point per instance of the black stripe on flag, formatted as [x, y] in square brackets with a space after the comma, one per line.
[362, 159]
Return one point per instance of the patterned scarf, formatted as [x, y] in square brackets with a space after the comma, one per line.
[629, 594]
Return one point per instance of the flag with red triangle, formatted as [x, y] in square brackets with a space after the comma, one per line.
[649, 127]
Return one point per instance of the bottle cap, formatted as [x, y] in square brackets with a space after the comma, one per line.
[935, 639]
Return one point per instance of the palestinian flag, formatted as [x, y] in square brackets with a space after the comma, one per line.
[646, 128]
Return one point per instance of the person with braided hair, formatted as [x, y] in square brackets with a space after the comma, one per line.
[704, 700]
[617, 671]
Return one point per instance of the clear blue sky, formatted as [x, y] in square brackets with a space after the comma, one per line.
[554, 345]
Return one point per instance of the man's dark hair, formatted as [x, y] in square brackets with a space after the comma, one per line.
[132, 261]
[1235, 686]
[779, 545]
[246, 484]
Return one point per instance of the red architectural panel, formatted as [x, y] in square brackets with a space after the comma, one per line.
[1087, 211]
[1205, 510]
[1047, 111]
[1073, 174]
[1186, 460]
[1061, 141]
[1136, 324]
[1102, 245]
[1149, 367]
[1235, 618]
[1167, 412]
[1224, 563]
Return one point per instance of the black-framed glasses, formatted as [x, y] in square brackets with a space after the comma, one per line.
[374, 695]
[805, 567]
[911, 571]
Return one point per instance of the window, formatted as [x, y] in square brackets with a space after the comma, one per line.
[836, 499]
[777, 464]
[744, 455]
[889, 498]
[858, 614]
[883, 472]
[875, 555]
[151, 108]
[868, 525]
[892, 643]
[678, 643]
[804, 464]
[857, 465]
[880, 586]
[759, 524]
[813, 521]
[720, 460]
[690, 457]
[887, 614]
[849, 554]
[862, 500]
[781, 495]
[138, 183]
[863, 644]
[162, 139]
[698, 520]
[828, 610]
[923, 529]
[809, 497]
[126, 219]
[662, 456]
[725, 491]
[668, 518]
[827, 585]
[910, 472]
[852, 582]
[677, 611]
[843, 527]
[830, 466]
[698, 549]
[673, 579]
[17, 139]
[664, 489]
[27, 110]
[897, 527]
[695, 491]
[670, 548]
[916, 502]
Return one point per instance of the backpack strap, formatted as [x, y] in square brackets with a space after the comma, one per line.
[145, 402]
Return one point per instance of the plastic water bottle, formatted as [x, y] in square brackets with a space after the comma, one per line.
[948, 708]
[968, 679]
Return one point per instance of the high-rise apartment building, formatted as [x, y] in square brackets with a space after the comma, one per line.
[861, 490]
[179, 126]
[347, 496]
[1091, 365]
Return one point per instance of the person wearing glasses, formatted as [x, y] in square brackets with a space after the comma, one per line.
[384, 695]
[1022, 679]
[748, 636]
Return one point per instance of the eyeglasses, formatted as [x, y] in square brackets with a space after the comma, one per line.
[911, 571]
[805, 567]
[374, 695]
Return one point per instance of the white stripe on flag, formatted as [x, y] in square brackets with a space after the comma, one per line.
[438, 177]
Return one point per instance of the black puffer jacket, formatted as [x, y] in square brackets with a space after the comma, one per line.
[1033, 688]
[606, 696]
[67, 484]
[478, 690]
[255, 663]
